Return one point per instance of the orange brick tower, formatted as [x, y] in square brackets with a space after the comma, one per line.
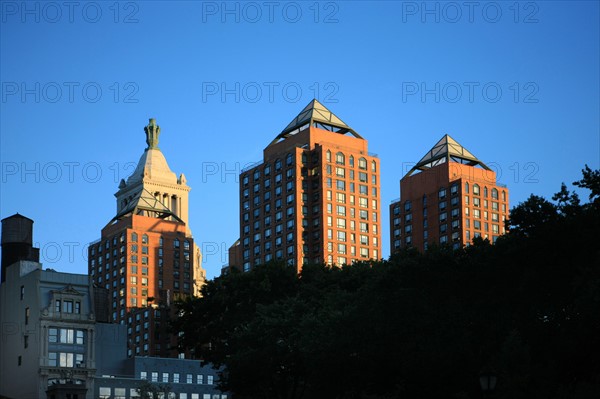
[448, 197]
[315, 197]
[146, 256]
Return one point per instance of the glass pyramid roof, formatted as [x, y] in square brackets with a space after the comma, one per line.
[315, 114]
[447, 149]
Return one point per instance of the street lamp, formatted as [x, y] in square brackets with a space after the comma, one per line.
[487, 380]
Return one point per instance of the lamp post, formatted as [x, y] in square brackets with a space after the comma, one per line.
[487, 380]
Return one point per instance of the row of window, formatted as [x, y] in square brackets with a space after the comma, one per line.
[67, 306]
[120, 393]
[442, 193]
[134, 239]
[189, 378]
[340, 159]
[66, 336]
[65, 359]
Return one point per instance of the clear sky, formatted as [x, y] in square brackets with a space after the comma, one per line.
[515, 83]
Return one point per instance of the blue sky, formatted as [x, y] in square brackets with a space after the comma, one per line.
[516, 83]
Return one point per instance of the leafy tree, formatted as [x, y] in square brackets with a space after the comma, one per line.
[419, 324]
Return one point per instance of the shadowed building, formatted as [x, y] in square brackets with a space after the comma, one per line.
[146, 256]
[49, 323]
[313, 198]
[448, 197]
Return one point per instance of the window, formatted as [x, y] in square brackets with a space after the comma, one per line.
[476, 189]
[78, 307]
[27, 315]
[340, 159]
[209, 379]
[22, 292]
[362, 163]
[67, 306]
[165, 377]
[79, 337]
[105, 393]
[200, 379]
[189, 379]
[442, 193]
[155, 376]
[65, 359]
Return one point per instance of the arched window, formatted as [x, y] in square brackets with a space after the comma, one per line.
[328, 156]
[362, 163]
[145, 239]
[485, 192]
[288, 159]
[466, 188]
[476, 189]
[278, 164]
[373, 166]
[494, 193]
[503, 195]
[351, 161]
[340, 158]
[134, 237]
[176, 243]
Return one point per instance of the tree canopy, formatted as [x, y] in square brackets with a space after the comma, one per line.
[418, 325]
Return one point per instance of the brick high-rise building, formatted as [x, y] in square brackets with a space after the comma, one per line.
[314, 197]
[146, 256]
[448, 197]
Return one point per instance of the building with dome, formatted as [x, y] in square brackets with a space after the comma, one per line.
[146, 257]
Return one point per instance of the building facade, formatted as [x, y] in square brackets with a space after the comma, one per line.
[146, 257]
[448, 198]
[173, 378]
[315, 197]
[48, 321]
